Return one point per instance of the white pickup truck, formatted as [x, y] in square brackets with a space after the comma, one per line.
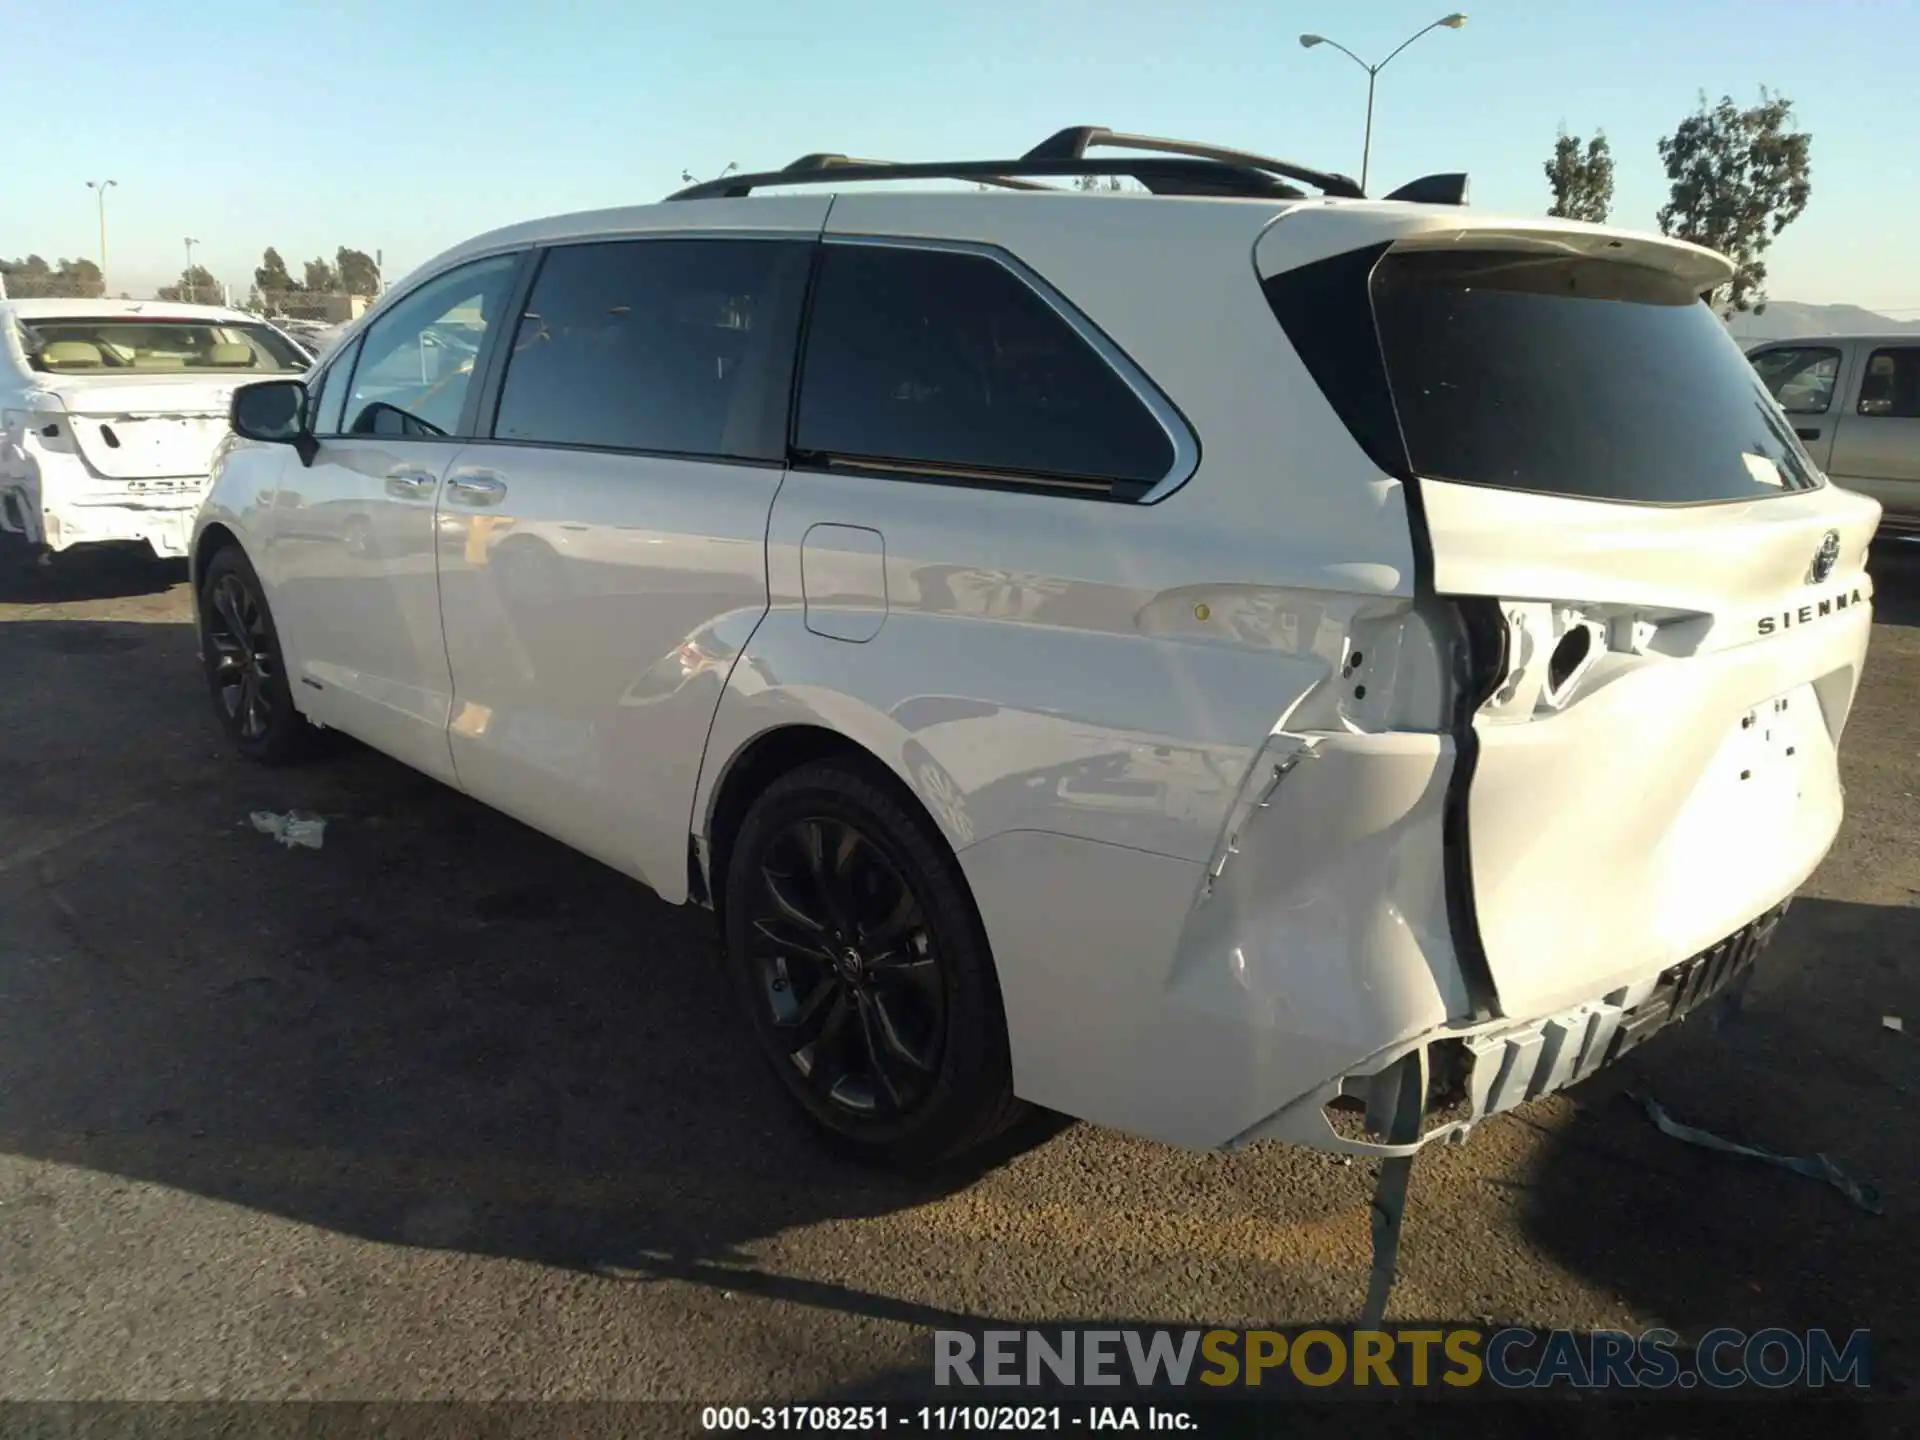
[1854, 401]
[110, 411]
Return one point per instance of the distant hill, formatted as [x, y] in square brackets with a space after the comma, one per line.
[1790, 319]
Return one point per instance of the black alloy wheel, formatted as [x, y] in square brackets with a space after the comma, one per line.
[845, 965]
[242, 656]
[856, 952]
[241, 652]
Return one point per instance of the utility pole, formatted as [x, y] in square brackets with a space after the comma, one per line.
[100, 188]
[1449, 22]
[193, 289]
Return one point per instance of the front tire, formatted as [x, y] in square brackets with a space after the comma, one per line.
[856, 952]
[245, 675]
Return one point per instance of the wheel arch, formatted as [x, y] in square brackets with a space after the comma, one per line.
[758, 763]
[213, 537]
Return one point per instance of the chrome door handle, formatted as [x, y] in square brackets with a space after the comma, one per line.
[477, 487]
[409, 482]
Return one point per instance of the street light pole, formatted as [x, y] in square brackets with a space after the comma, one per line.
[1447, 22]
[100, 188]
[193, 290]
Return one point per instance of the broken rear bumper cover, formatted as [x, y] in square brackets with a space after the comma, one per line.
[165, 528]
[163, 520]
[1482, 1070]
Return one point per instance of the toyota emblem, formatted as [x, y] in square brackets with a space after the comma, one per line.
[1825, 558]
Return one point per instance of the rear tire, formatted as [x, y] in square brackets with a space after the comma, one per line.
[854, 948]
[240, 650]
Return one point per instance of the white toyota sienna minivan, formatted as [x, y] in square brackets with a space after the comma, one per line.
[1185, 659]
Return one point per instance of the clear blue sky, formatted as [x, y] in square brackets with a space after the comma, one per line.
[409, 125]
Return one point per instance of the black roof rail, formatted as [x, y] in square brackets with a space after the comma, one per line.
[1162, 176]
[1192, 168]
[824, 160]
[1073, 142]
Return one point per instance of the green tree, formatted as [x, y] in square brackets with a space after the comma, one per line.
[196, 285]
[356, 272]
[1100, 184]
[80, 278]
[320, 278]
[272, 278]
[1581, 177]
[27, 279]
[1739, 178]
[33, 278]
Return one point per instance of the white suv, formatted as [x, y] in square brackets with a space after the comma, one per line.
[1183, 659]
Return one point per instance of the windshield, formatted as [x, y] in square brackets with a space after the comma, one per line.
[82, 345]
[1575, 377]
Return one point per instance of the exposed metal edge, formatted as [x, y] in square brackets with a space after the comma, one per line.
[1517, 1061]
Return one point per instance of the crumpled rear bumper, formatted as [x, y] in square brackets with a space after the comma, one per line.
[1209, 1006]
[1484, 1069]
[165, 524]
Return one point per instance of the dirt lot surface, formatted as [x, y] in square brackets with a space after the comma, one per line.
[445, 1110]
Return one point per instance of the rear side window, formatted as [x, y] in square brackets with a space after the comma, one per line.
[1891, 385]
[1561, 376]
[949, 364]
[679, 347]
[1800, 377]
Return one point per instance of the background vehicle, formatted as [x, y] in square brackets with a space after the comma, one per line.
[1855, 403]
[1183, 662]
[110, 411]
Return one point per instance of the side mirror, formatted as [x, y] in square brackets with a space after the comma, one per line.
[275, 412]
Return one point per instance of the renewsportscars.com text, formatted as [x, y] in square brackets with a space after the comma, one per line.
[1456, 1357]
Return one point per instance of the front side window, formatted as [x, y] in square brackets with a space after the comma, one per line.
[681, 347]
[1891, 385]
[131, 345]
[417, 360]
[949, 363]
[1800, 377]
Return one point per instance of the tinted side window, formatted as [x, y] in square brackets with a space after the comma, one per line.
[417, 360]
[946, 360]
[1891, 386]
[1801, 377]
[677, 346]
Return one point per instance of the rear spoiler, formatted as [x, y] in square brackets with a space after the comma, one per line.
[1449, 188]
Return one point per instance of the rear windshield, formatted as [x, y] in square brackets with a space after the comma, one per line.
[1576, 377]
[155, 347]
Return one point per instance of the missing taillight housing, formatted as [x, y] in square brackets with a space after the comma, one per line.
[1573, 655]
[1568, 656]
